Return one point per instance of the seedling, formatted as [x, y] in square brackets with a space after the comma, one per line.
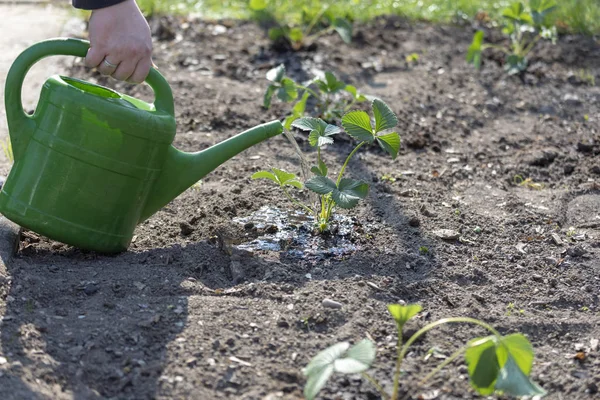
[303, 30]
[528, 183]
[333, 97]
[524, 28]
[412, 58]
[343, 192]
[495, 363]
[423, 250]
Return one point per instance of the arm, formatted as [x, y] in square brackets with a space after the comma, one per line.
[120, 39]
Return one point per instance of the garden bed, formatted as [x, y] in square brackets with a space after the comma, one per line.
[512, 165]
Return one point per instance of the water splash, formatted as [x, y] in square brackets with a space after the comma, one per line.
[291, 232]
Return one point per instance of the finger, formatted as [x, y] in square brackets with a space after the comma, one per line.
[125, 70]
[106, 69]
[94, 57]
[141, 71]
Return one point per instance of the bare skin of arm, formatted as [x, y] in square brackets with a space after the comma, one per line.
[120, 42]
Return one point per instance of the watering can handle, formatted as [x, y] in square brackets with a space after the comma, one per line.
[72, 47]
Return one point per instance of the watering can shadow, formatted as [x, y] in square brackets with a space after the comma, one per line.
[90, 163]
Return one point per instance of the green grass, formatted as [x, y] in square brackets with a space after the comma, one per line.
[581, 16]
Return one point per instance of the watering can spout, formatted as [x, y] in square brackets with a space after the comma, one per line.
[181, 170]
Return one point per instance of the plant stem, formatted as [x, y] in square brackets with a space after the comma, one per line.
[347, 161]
[309, 90]
[453, 357]
[432, 325]
[530, 46]
[398, 363]
[378, 387]
[299, 204]
[315, 20]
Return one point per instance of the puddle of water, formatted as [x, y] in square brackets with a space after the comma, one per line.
[291, 232]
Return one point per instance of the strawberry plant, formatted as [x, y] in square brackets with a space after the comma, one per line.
[333, 97]
[299, 29]
[495, 363]
[342, 192]
[524, 29]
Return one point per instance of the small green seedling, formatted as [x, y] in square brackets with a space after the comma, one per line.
[412, 58]
[333, 97]
[495, 363]
[423, 250]
[299, 30]
[524, 29]
[343, 192]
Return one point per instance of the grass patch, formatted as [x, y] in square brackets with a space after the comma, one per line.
[578, 16]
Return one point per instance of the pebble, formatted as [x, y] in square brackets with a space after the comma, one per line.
[571, 99]
[556, 239]
[328, 303]
[90, 289]
[447, 234]
[576, 251]
[372, 285]
[3, 360]
[414, 221]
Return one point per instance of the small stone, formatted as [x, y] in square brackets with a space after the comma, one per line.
[477, 229]
[414, 221]
[219, 57]
[556, 239]
[542, 158]
[191, 362]
[186, 228]
[576, 251]
[585, 147]
[282, 323]
[328, 303]
[447, 234]
[241, 362]
[453, 160]
[372, 285]
[90, 289]
[3, 360]
[594, 344]
[571, 99]
[272, 229]
[537, 278]
[595, 169]
[568, 169]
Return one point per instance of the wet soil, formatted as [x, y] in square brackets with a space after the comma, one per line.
[188, 314]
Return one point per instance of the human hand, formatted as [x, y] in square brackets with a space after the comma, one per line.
[120, 42]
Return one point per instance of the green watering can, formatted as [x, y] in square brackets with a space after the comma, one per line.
[91, 163]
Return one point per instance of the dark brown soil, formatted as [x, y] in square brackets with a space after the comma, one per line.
[165, 319]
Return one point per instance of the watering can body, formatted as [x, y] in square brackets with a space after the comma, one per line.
[91, 163]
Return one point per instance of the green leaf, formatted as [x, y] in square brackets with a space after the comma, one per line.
[257, 5]
[384, 116]
[402, 314]
[287, 178]
[514, 382]
[322, 85]
[474, 52]
[333, 84]
[320, 170]
[349, 192]
[276, 33]
[310, 124]
[265, 175]
[520, 349]
[316, 381]
[339, 359]
[276, 74]
[344, 28]
[390, 143]
[358, 359]
[318, 140]
[320, 130]
[279, 176]
[354, 92]
[482, 363]
[321, 185]
[516, 12]
[269, 96]
[540, 9]
[300, 106]
[288, 91]
[296, 35]
[358, 125]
